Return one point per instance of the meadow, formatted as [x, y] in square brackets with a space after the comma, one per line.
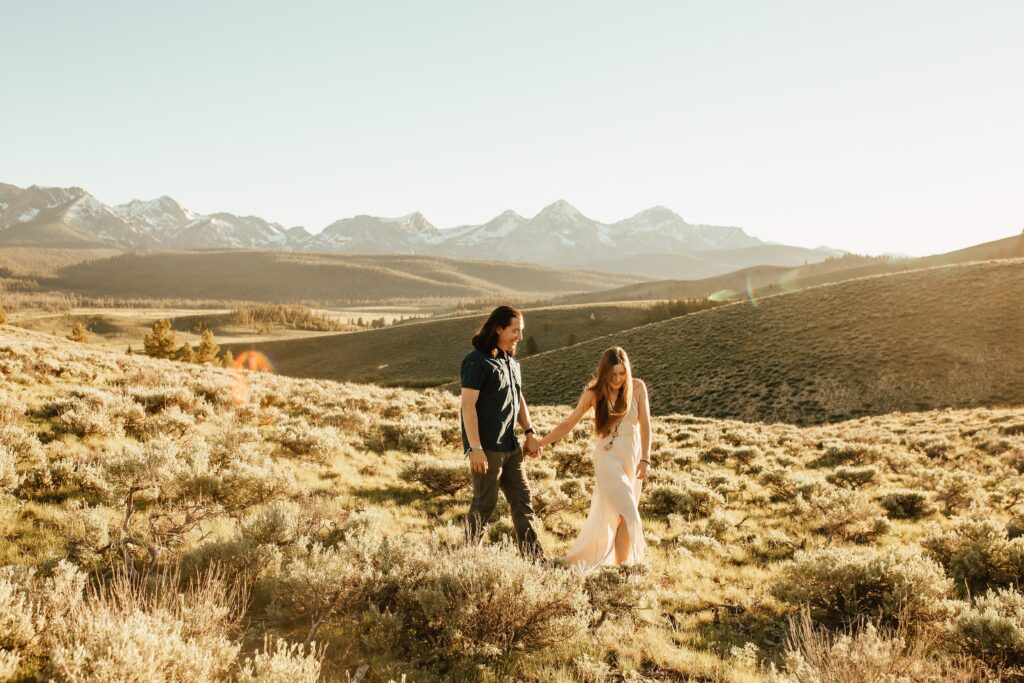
[935, 337]
[184, 522]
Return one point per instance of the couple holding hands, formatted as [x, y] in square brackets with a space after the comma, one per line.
[492, 404]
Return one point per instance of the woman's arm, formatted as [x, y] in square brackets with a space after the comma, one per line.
[644, 410]
[586, 402]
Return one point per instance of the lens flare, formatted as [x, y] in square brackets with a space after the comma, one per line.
[251, 361]
[749, 289]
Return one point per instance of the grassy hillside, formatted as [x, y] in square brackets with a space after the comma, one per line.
[428, 353]
[733, 285]
[946, 336]
[710, 262]
[31, 262]
[766, 280]
[277, 277]
[336, 507]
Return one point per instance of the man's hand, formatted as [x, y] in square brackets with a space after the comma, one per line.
[533, 447]
[478, 461]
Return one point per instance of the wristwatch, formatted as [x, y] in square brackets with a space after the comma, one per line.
[471, 449]
[528, 430]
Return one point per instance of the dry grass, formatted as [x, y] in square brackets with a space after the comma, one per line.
[939, 337]
[336, 505]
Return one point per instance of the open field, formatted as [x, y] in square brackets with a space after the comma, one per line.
[118, 328]
[336, 508]
[428, 353]
[938, 337]
[331, 279]
[766, 280]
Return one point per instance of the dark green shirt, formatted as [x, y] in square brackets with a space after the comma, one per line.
[500, 386]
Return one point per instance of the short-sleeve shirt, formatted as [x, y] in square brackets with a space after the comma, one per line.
[500, 385]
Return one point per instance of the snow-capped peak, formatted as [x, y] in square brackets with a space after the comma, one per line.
[561, 208]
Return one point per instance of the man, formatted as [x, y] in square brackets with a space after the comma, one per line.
[492, 403]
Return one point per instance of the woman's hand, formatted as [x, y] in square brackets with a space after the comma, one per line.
[642, 468]
[544, 442]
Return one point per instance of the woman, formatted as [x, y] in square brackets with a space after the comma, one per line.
[613, 531]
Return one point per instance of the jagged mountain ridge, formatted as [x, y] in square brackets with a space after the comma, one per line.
[559, 234]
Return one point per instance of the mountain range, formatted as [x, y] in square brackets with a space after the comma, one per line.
[656, 242]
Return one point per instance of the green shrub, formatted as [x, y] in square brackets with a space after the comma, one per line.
[906, 504]
[958, 491]
[992, 628]
[843, 585]
[852, 477]
[620, 592]
[315, 443]
[479, 604]
[549, 499]
[9, 477]
[845, 515]
[861, 653]
[842, 453]
[785, 485]
[443, 477]
[410, 435]
[697, 544]
[456, 606]
[138, 630]
[688, 498]
[977, 554]
[280, 662]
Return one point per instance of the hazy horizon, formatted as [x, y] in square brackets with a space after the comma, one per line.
[872, 127]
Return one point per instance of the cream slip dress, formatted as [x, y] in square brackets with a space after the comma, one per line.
[616, 493]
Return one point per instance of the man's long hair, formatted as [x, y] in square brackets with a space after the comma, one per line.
[611, 405]
[486, 338]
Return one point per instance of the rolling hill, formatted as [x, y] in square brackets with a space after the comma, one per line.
[763, 280]
[937, 337]
[428, 353]
[281, 277]
[707, 263]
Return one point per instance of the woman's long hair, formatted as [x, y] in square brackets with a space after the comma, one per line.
[611, 405]
[486, 338]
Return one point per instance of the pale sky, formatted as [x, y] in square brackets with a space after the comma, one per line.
[893, 126]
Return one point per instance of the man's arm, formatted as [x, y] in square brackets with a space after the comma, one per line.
[477, 458]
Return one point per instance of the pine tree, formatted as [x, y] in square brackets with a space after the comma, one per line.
[185, 354]
[79, 333]
[228, 359]
[531, 346]
[208, 349]
[571, 340]
[129, 351]
[162, 342]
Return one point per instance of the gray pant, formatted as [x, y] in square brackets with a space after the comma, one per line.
[505, 470]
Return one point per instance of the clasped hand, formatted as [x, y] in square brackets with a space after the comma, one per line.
[533, 447]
